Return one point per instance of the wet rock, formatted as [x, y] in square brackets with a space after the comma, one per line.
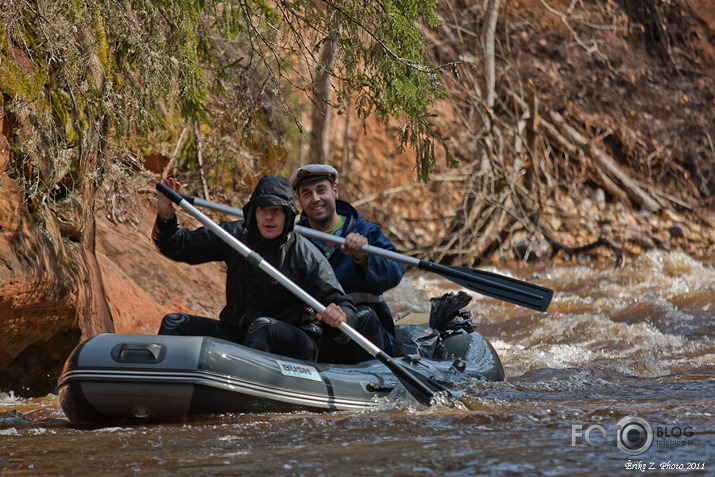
[671, 216]
[586, 204]
[662, 239]
[598, 196]
[677, 231]
[639, 236]
[13, 418]
[528, 250]
[555, 223]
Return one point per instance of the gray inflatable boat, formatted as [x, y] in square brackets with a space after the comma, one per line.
[122, 377]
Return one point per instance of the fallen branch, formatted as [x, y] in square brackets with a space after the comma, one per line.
[631, 187]
[199, 158]
[397, 190]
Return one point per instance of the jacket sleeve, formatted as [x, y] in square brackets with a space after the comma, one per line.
[189, 246]
[380, 274]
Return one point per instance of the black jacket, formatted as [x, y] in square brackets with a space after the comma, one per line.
[250, 292]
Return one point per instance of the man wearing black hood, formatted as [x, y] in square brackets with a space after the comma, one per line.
[259, 313]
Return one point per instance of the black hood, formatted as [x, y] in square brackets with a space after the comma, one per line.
[270, 191]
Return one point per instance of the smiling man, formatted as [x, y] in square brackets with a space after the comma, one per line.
[365, 277]
[259, 312]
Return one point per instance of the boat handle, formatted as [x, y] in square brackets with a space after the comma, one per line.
[148, 353]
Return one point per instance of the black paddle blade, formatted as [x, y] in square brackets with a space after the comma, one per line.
[494, 285]
[421, 387]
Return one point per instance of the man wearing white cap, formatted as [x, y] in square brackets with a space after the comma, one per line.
[364, 277]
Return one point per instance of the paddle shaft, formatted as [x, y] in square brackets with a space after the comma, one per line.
[312, 233]
[497, 286]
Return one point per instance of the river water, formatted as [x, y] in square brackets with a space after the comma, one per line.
[619, 351]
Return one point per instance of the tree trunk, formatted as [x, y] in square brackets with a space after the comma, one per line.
[322, 94]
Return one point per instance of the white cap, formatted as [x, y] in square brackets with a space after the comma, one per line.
[313, 172]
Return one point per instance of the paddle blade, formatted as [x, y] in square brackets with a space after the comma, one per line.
[421, 387]
[494, 285]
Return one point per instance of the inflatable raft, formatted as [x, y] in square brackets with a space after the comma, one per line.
[122, 377]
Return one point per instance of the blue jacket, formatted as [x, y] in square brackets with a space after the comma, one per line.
[381, 275]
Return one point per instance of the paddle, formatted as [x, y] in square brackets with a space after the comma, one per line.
[490, 284]
[421, 387]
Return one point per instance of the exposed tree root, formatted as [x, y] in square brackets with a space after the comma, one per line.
[528, 155]
[557, 247]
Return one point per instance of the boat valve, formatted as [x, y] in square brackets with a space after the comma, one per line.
[458, 365]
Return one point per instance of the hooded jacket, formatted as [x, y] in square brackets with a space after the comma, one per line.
[250, 292]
